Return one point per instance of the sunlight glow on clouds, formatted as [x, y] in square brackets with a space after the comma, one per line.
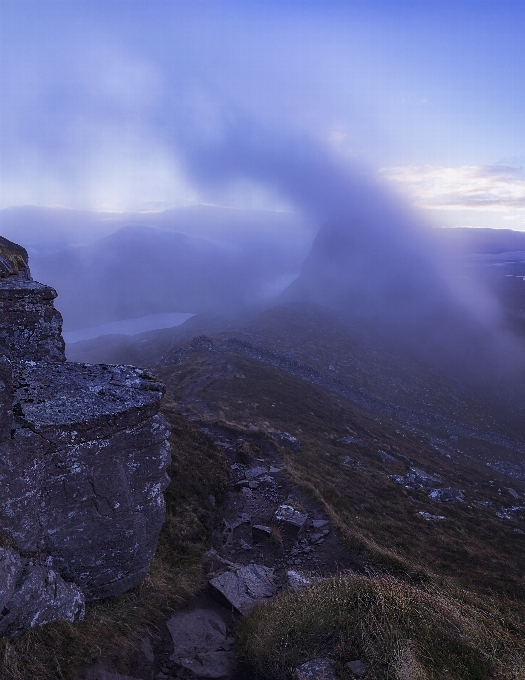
[468, 187]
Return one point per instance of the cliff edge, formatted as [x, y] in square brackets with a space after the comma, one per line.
[83, 459]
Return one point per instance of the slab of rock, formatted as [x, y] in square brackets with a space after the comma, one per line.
[319, 523]
[347, 460]
[415, 479]
[246, 587]
[255, 472]
[318, 537]
[200, 643]
[431, 518]
[316, 669]
[31, 595]
[448, 495]
[6, 398]
[10, 569]
[296, 581]
[291, 522]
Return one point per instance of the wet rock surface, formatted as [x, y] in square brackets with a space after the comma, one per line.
[83, 458]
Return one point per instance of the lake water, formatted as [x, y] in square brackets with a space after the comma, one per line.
[151, 322]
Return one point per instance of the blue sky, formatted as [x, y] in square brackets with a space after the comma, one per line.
[103, 102]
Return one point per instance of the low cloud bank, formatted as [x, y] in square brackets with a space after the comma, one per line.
[372, 259]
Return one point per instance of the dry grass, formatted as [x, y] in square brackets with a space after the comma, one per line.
[454, 597]
[16, 259]
[401, 631]
[113, 627]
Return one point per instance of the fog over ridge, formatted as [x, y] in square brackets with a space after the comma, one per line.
[372, 258]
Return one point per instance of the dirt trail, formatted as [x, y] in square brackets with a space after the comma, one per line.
[258, 486]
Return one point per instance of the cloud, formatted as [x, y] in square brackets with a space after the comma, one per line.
[468, 187]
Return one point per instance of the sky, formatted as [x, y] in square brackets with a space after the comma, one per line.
[115, 105]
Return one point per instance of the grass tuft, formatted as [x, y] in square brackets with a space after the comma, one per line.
[401, 631]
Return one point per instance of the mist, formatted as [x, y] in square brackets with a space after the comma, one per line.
[373, 258]
[206, 158]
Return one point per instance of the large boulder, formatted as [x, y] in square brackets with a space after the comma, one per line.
[93, 451]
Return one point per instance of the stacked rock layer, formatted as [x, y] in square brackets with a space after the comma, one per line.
[83, 458]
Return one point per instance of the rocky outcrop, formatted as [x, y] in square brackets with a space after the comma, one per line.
[30, 326]
[83, 458]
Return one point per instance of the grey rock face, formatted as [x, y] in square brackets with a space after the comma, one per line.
[386, 457]
[10, 569]
[83, 458]
[32, 594]
[201, 644]
[30, 326]
[287, 441]
[246, 587]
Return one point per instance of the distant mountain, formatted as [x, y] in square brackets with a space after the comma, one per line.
[464, 240]
[46, 230]
[142, 270]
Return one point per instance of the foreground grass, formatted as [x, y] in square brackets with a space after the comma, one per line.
[401, 631]
[113, 627]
